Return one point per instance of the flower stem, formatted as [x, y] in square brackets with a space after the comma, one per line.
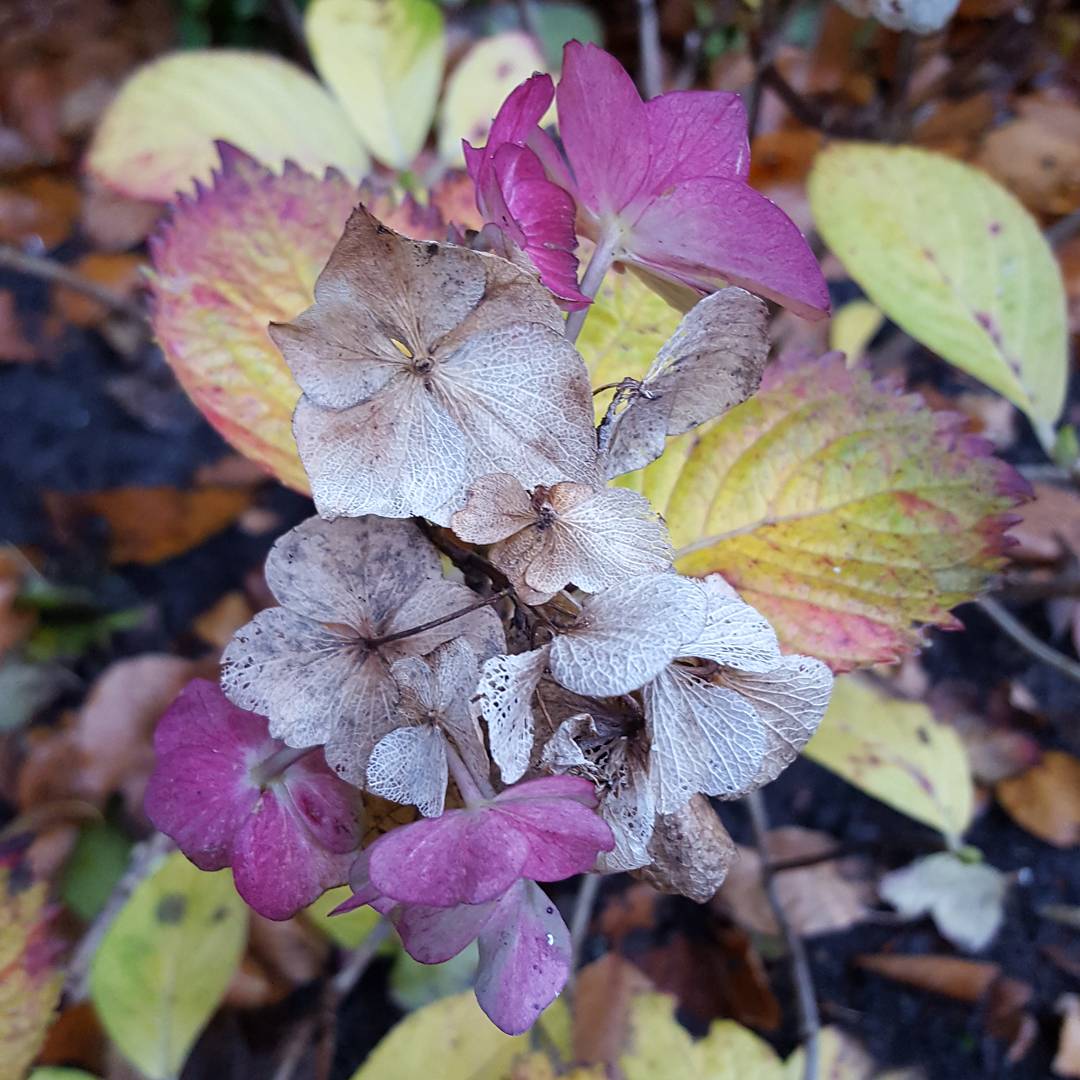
[424, 627]
[272, 767]
[600, 263]
[466, 782]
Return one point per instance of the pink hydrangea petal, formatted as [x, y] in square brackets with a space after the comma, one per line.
[521, 112]
[577, 788]
[433, 935]
[203, 716]
[277, 869]
[696, 133]
[707, 228]
[201, 799]
[604, 128]
[463, 857]
[329, 808]
[363, 891]
[524, 959]
[542, 216]
[563, 837]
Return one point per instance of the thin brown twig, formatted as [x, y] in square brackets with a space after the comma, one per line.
[805, 998]
[579, 925]
[412, 631]
[46, 269]
[1023, 637]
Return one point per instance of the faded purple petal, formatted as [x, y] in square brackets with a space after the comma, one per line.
[328, 807]
[539, 218]
[696, 133]
[202, 716]
[524, 959]
[463, 857]
[433, 935]
[278, 870]
[708, 229]
[563, 837]
[604, 128]
[201, 800]
[577, 788]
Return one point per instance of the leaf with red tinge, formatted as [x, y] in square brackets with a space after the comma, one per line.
[847, 513]
[237, 255]
[30, 982]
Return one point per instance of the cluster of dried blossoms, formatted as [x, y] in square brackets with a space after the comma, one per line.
[571, 695]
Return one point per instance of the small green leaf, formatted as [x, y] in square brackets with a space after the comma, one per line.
[384, 61]
[955, 260]
[163, 966]
[56, 1072]
[95, 866]
[413, 985]
[897, 752]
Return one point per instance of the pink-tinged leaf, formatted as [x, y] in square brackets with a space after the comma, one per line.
[158, 134]
[848, 514]
[237, 255]
[524, 959]
[704, 231]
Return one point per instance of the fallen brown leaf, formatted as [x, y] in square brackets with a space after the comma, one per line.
[149, 525]
[40, 209]
[632, 909]
[14, 347]
[829, 896]
[1045, 799]
[217, 624]
[951, 976]
[1049, 527]
[602, 997]
[113, 221]
[119, 273]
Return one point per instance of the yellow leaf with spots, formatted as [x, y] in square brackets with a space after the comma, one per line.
[955, 260]
[898, 753]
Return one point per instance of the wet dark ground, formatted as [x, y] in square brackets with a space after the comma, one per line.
[88, 420]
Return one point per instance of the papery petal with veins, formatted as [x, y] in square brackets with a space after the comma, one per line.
[712, 362]
[705, 738]
[628, 634]
[592, 537]
[504, 700]
[241, 253]
[306, 665]
[425, 367]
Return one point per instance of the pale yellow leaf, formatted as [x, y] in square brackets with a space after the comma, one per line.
[384, 61]
[478, 86]
[158, 135]
[897, 752]
[955, 260]
[853, 327]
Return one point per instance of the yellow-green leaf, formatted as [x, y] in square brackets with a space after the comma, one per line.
[384, 61]
[30, 982]
[158, 135]
[478, 86]
[626, 326]
[58, 1072]
[897, 752]
[955, 260]
[849, 515]
[164, 964]
[853, 327]
[349, 930]
[451, 1039]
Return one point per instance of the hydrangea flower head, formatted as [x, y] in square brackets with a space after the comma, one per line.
[470, 875]
[661, 183]
[230, 795]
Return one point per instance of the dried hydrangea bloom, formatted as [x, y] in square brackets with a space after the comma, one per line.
[409, 764]
[724, 710]
[470, 875]
[230, 795]
[317, 665]
[425, 366]
[570, 533]
[713, 362]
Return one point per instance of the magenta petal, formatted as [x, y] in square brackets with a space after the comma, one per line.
[202, 715]
[200, 799]
[463, 857]
[278, 870]
[433, 935]
[328, 806]
[563, 837]
[696, 133]
[604, 128]
[707, 228]
[540, 220]
[521, 112]
[577, 788]
[524, 959]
